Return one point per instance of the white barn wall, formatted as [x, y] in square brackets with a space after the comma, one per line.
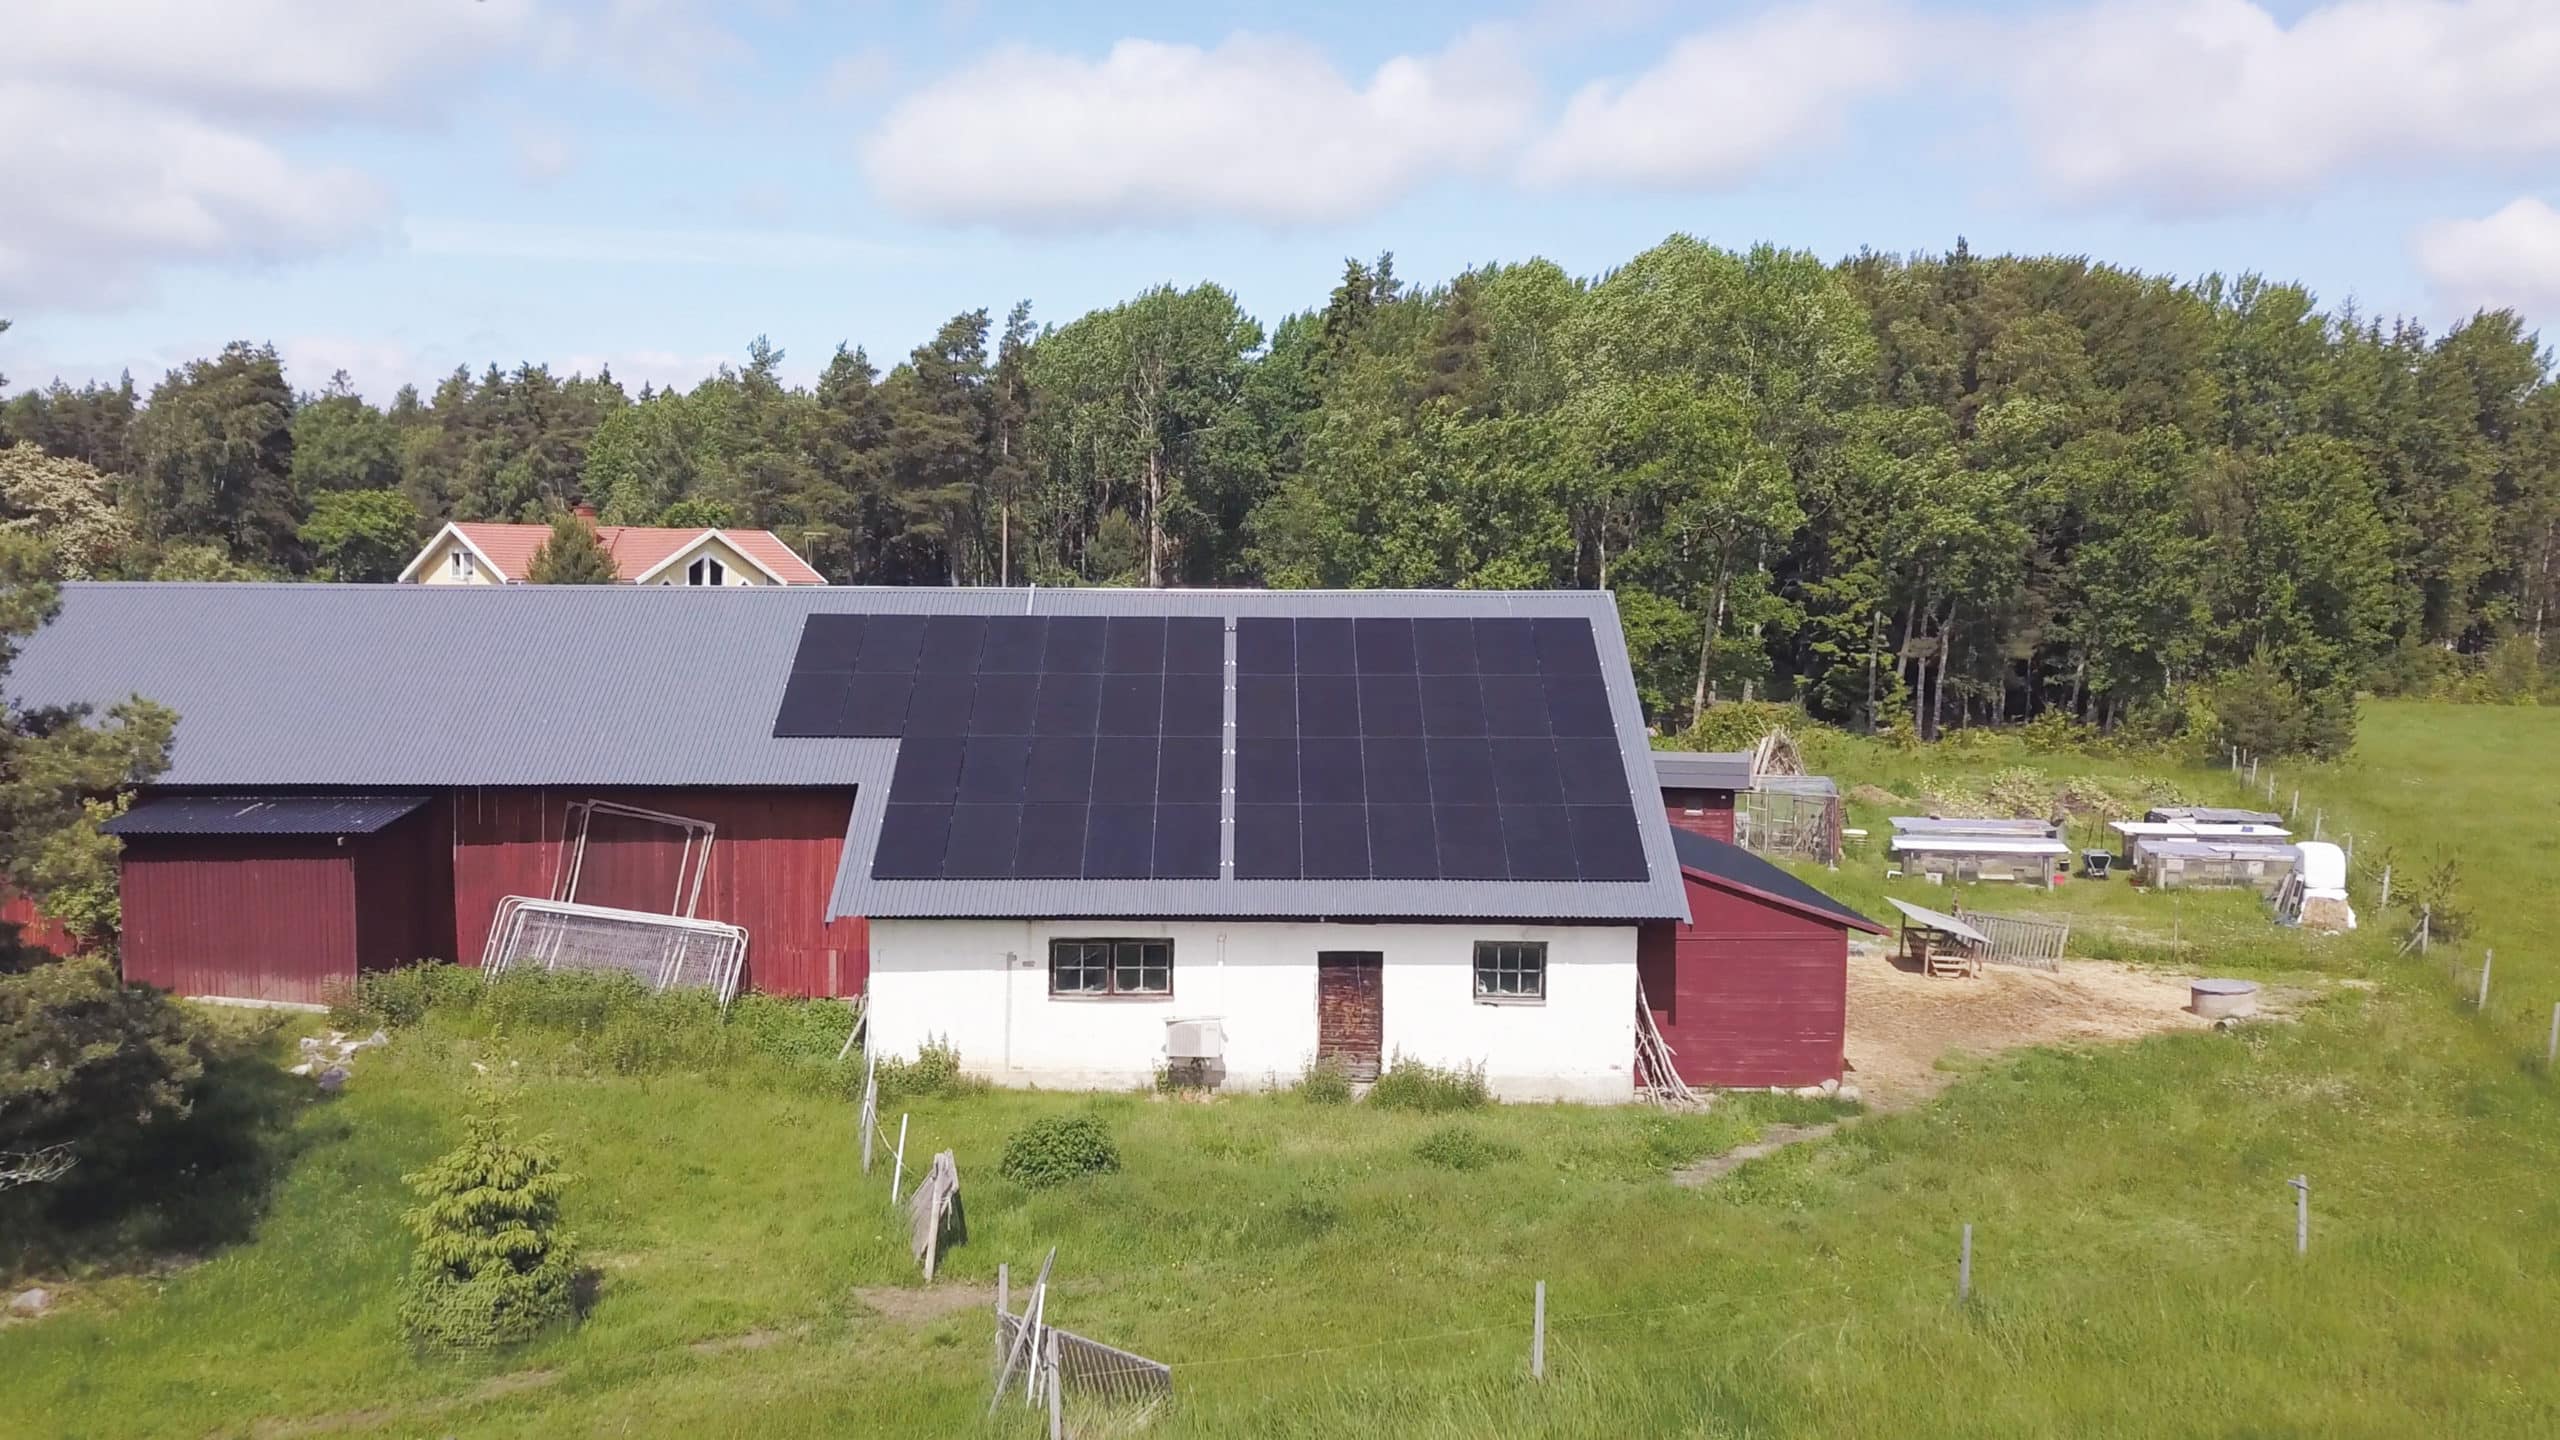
[984, 985]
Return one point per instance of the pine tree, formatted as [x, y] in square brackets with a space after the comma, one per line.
[492, 1265]
[572, 556]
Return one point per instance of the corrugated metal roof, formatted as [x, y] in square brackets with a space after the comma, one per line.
[1938, 920]
[381, 686]
[1702, 770]
[1727, 861]
[263, 814]
[1959, 825]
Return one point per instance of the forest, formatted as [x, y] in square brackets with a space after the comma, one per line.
[1905, 492]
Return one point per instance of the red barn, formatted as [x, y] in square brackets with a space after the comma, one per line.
[1698, 789]
[1753, 988]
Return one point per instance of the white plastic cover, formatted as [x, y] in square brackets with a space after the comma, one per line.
[2323, 866]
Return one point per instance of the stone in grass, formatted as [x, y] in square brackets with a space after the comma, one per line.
[27, 1304]
[334, 1079]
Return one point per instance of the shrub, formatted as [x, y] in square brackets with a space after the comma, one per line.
[1458, 1147]
[391, 999]
[1055, 1149]
[1430, 1089]
[1325, 1083]
[1738, 725]
[934, 1073]
[492, 1265]
[86, 1061]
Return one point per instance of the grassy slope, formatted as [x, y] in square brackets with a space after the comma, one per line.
[2134, 1274]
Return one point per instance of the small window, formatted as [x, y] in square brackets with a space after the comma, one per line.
[462, 563]
[706, 571]
[1511, 970]
[1102, 968]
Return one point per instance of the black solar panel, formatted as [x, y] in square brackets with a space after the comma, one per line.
[992, 768]
[1132, 704]
[1119, 842]
[1578, 705]
[1591, 772]
[1383, 646]
[1469, 838]
[1390, 705]
[1194, 705]
[940, 705]
[1452, 705]
[982, 842]
[1565, 648]
[1461, 771]
[1400, 843]
[1266, 842]
[1333, 842]
[1069, 704]
[1329, 772]
[1012, 644]
[1052, 843]
[1004, 705]
[1325, 648]
[1505, 647]
[1266, 647]
[1525, 772]
[1075, 643]
[813, 703]
[928, 771]
[1538, 842]
[951, 644]
[1267, 773]
[1606, 845]
[1188, 771]
[1266, 705]
[1060, 770]
[829, 642]
[1124, 769]
[1445, 647]
[1186, 842]
[1397, 771]
[1328, 705]
[1133, 645]
[877, 708]
[1515, 705]
[911, 841]
[1194, 645]
[891, 643]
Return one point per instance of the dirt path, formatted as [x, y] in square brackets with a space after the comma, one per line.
[1771, 1141]
[1903, 1025]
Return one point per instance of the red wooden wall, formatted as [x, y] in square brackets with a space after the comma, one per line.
[35, 927]
[1748, 992]
[1701, 812]
[269, 917]
[773, 864]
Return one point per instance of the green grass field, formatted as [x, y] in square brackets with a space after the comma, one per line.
[1307, 1274]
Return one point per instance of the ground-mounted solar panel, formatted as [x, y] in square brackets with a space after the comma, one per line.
[1266, 841]
[1186, 842]
[1333, 842]
[912, 838]
[1011, 644]
[1506, 647]
[877, 706]
[1328, 705]
[1068, 703]
[1325, 647]
[1396, 771]
[1537, 842]
[982, 842]
[1606, 843]
[1132, 704]
[1266, 646]
[1195, 645]
[1133, 645]
[1401, 843]
[1059, 770]
[1194, 705]
[891, 644]
[1390, 704]
[1051, 845]
[1119, 842]
[1469, 839]
[992, 769]
[1075, 644]
[950, 644]
[813, 703]
[939, 705]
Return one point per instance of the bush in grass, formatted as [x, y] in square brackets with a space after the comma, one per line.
[88, 1064]
[1055, 1149]
[1430, 1089]
[934, 1072]
[1325, 1083]
[1458, 1147]
[391, 999]
[492, 1266]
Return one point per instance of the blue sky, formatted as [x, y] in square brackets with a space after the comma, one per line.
[405, 185]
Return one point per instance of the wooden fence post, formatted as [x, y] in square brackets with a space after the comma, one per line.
[2551, 1050]
[2386, 887]
[898, 1168]
[2301, 1214]
[1538, 1335]
[1057, 1415]
[2487, 959]
[1004, 1295]
[1964, 1269]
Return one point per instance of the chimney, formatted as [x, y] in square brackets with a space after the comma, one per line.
[584, 511]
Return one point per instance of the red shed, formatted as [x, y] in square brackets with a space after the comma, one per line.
[1698, 789]
[274, 897]
[1753, 989]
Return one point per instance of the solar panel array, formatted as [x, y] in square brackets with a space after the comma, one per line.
[1433, 749]
[1033, 747]
[1089, 747]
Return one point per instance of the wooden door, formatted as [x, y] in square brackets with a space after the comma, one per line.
[1351, 1010]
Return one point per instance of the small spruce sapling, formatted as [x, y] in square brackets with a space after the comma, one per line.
[492, 1266]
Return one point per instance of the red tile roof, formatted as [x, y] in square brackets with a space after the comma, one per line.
[636, 549]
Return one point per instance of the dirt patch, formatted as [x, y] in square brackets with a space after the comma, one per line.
[1901, 1025]
[916, 1307]
[1772, 1140]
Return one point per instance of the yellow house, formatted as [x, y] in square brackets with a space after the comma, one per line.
[480, 553]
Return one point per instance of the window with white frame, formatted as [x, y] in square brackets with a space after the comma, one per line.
[461, 563]
[1511, 970]
[706, 571]
[1108, 968]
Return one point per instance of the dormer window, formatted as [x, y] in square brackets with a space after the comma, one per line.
[706, 571]
[461, 564]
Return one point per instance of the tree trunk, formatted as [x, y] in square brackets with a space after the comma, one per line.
[1699, 695]
[1155, 519]
[1938, 695]
[1875, 642]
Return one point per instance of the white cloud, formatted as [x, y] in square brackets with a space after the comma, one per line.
[1260, 128]
[1727, 103]
[2190, 106]
[857, 76]
[2507, 260]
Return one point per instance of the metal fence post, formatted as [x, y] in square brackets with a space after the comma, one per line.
[1004, 1296]
[2301, 1214]
[898, 1169]
[1538, 1335]
[2487, 959]
[1964, 1268]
